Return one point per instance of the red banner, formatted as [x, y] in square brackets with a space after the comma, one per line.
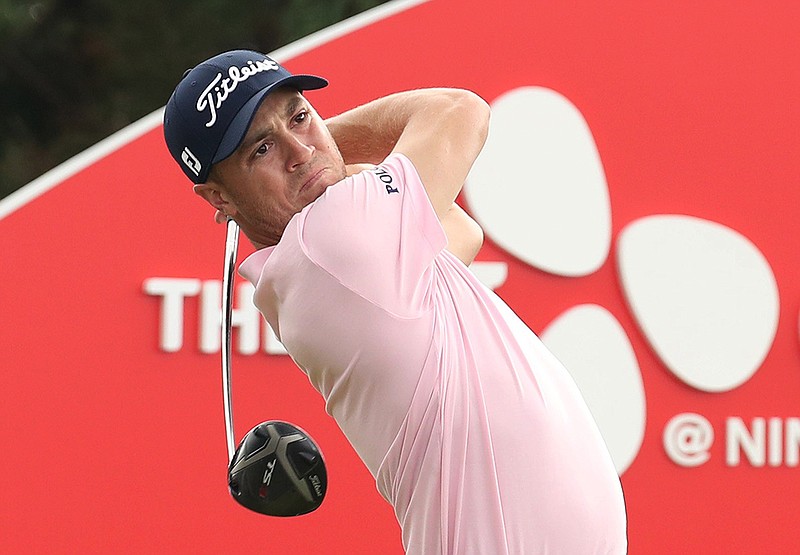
[639, 196]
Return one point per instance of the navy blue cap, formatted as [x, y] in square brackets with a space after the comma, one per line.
[210, 110]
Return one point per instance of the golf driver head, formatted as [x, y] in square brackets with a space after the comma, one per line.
[278, 470]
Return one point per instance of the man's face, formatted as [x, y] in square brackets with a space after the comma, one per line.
[286, 161]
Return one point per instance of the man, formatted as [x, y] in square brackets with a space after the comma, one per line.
[474, 432]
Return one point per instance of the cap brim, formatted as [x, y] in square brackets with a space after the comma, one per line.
[241, 121]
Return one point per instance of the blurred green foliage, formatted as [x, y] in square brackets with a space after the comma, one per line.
[74, 71]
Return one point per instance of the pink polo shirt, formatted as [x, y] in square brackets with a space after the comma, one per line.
[475, 433]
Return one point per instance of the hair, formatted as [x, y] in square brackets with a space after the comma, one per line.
[215, 175]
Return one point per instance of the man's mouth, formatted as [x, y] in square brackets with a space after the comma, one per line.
[313, 179]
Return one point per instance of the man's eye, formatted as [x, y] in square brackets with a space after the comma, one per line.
[301, 117]
[262, 149]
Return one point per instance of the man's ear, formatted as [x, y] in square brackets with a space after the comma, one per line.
[215, 198]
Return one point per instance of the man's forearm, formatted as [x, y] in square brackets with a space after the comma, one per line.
[356, 140]
[369, 132]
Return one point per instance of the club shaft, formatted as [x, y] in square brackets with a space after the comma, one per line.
[231, 248]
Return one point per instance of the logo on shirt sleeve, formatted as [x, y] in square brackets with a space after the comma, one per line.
[387, 179]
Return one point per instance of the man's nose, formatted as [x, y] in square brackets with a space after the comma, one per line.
[298, 152]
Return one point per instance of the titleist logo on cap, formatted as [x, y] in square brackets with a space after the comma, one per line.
[218, 90]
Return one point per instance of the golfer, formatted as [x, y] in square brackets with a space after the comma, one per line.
[474, 432]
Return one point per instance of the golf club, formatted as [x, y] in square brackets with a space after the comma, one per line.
[277, 469]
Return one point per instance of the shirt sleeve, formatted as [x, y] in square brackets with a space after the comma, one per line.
[377, 233]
